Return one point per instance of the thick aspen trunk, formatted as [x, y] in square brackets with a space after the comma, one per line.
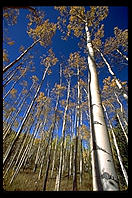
[105, 178]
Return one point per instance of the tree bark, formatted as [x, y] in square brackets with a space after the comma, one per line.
[105, 178]
[25, 118]
[113, 74]
[117, 149]
[15, 61]
[58, 178]
[123, 55]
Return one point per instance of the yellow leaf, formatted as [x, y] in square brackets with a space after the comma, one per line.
[11, 42]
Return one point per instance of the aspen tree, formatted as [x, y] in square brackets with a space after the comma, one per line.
[106, 178]
[117, 149]
[48, 61]
[44, 33]
[78, 62]
[19, 110]
[58, 177]
[113, 74]
[51, 136]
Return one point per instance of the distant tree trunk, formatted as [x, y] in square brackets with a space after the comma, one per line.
[58, 178]
[53, 164]
[24, 119]
[123, 55]
[14, 85]
[105, 178]
[17, 151]
[64, 154]
[113, 74]
[6, 131]
[81, 147]
[25, 51]
[71, 146]
[122, 109]
[25, 153]
[45, 151]
[77, 133]
[117, 149]
[38, 150]
[122, 127]
[10, 78]
[118, 117]
[50, 146]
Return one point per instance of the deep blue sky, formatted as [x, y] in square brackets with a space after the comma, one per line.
[118, 16]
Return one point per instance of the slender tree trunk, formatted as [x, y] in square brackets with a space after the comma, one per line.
[81, 147]
[64, 154]
[38, 150]
[13, 85]
[25, 153]
[123, 55]
[77, 133]
[58, 178]
[14, 118]
[15, 61]
[122, 109]
[9, 79]
[12, 159]
[106, 177]
[113, 74]
[122, 127]
[117, 149]
[118, 117]
[25, 118]
[53, 164]
[50, 146]
[71, 146]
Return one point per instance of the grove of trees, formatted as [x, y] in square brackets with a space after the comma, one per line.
[65, 125]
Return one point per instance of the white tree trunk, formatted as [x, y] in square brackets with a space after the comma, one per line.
[15, 61]
[58, 178]
[53, 164]
[9, 149]
[105, 178]
[113, 74]
[117, 149]
[124, 56]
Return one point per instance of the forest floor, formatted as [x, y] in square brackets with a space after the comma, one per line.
[28, 181]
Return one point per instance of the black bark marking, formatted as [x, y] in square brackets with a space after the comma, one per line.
[108, 160]
[107, 176]
[96, 122]
[96, 147]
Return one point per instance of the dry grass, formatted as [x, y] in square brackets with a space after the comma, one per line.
[28, 181]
